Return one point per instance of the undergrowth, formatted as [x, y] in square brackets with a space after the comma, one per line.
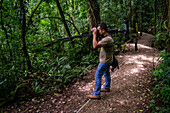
[161, 80]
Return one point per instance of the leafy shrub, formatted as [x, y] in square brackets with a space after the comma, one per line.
[161, 40]
[161, 82]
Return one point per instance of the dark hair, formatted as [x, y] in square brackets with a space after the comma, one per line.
[103, 26]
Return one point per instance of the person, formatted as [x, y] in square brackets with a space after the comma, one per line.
[105, 58]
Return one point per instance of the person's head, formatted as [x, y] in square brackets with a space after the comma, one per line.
[102, 29]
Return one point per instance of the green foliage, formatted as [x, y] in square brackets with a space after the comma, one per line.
[63, 62]
[161, 40]
[161, 82]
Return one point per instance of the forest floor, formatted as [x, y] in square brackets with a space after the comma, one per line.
[130, 87]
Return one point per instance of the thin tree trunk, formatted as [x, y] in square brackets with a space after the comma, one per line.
[168, 30]
[5, 30]
[64, 21]
[67, 5]
[23, 34]
[130, 21]
[94, 19]
[30, 19]
[168, 22]
[94, 13]
[116, 13]
[71, 22]
[135, 25]
[155, 16]
[62, 16]
[141, 24]
[73, 7]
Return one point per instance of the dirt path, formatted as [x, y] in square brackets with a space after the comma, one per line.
[131, 84]
[130, 87]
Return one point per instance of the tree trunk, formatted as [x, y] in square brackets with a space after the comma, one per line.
[168, 30]
[30, 19]
[135, 25]
[94, 20]
[23, 34]
[130, 21]
[94, 13]
[141, 24]
[5, 30]
[62, 16]
[168, 22]
[155, 16]
[64, 21]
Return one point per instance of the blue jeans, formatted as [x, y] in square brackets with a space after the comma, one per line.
[102, 69]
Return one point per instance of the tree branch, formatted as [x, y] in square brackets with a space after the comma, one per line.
[30, 19]
[61, 19]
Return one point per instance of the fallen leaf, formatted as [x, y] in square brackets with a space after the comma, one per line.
[130, 90]
[58, 95]
[141, 98]
[138, 91]
[54, 100]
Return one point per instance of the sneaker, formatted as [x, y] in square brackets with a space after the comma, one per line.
[94, 97]
[105, 90]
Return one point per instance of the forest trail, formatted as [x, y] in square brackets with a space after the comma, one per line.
[130, 87]
[131, 84]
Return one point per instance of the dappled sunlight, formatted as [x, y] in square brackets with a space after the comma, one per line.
[135, 70]
[138, 62]
[87, 87]
[141, 46]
